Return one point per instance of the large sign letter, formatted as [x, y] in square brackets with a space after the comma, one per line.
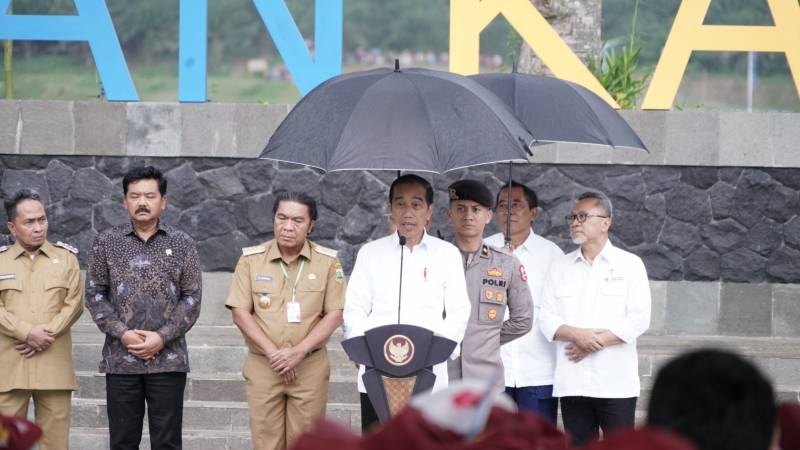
[688, 33]
[92, 24]
[193, 51]
[469, 17]
[327, 41]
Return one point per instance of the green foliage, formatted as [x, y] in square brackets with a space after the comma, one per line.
[617, 71]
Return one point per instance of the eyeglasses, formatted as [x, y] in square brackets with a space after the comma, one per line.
[581, 216]
[516, 206]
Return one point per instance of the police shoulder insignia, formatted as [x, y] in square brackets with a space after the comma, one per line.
[325, 250]
[247, 251]
[485, 250]
[67, 247]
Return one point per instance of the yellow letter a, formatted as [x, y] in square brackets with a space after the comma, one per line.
[469, 17]
[688, 33]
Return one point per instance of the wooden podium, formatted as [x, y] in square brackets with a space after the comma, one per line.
[399, 362]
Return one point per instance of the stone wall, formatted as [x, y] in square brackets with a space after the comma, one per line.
[688, 223]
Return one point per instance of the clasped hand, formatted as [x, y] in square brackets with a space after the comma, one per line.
[39, 339]
[284, 362]
[142, 344]
[583, 343]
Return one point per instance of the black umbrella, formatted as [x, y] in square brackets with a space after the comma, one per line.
[411, 119]
[556, 110]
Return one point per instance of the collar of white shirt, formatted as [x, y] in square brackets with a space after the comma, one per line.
[609, 253]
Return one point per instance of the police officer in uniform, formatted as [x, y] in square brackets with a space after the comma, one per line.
[40, 298]
[287, 297]
[496, 282]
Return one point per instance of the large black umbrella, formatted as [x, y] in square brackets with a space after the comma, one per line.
[556, 110]
[410, 119]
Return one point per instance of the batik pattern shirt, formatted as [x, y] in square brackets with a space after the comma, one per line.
[152, 285]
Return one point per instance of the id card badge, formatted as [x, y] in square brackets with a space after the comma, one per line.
[293, 312]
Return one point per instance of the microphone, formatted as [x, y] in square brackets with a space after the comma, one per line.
[400, 288]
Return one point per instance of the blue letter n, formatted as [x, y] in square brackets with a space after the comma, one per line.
[327, 41]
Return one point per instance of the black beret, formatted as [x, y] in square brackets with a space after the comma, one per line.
[471, 190]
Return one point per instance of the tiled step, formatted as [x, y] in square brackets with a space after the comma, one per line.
[212, 349]
[226, 388]
[97, 439]
[208, 426]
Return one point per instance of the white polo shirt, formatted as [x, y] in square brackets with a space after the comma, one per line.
[613, 293]
[433, 282]
[531, 359]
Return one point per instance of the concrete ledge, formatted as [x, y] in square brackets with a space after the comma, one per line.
[680, 138]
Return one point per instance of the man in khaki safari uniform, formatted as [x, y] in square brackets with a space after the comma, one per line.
[40, 298]
[287, 297]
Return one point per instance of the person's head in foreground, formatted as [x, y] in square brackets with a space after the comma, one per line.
[716, 399]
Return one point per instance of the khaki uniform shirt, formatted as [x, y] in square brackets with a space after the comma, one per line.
[45, 290]
[495, 281]
[259, 286]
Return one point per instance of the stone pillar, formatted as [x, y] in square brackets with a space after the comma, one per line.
[578, 22]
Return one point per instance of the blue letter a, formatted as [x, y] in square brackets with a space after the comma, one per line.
[92, 24]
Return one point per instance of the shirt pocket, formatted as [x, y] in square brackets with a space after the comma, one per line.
[491, 309]
[612, 297]
[10, 291]
[566, 301]
[266, 296]
[55, 289]
[311, 296]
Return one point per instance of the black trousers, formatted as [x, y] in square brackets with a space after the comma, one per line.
[584, 417]
[369, 418]
[126, 396]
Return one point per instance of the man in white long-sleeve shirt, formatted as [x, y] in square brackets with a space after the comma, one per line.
[434, 293]
[595, 304]
[529, 361]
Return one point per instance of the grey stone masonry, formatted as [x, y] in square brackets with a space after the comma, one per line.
[736, 224]
[675, 138]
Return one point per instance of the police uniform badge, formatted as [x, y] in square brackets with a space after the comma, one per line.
[452, 194]
[491, 313]
[264, 301]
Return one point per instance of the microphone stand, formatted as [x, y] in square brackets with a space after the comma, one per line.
[400, 288]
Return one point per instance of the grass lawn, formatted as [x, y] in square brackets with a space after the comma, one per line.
[60, 78]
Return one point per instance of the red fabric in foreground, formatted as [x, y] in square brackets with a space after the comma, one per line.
[789, 422]
[646, 438]
[410, 430]
[18, 434]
